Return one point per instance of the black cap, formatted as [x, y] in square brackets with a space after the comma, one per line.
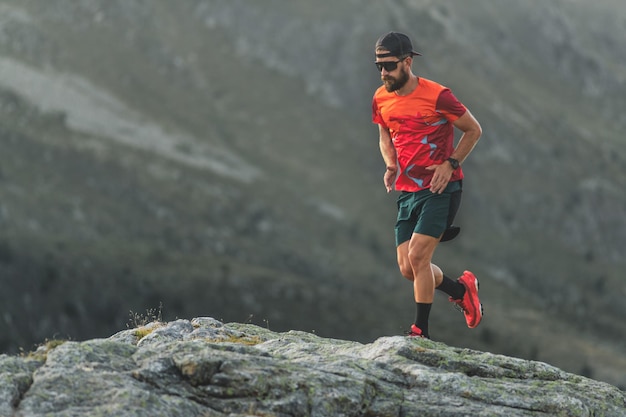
[398, 44]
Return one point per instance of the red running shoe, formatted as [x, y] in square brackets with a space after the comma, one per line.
[415, 331]
[470, 304]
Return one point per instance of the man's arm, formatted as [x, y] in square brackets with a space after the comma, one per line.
[388, 151]
[471, 133]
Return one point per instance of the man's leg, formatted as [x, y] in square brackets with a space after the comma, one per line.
[402, 252]
[442, 282]
[438, 274]
[454, 289]
[423, 309]
[419, 254]
[420, 326]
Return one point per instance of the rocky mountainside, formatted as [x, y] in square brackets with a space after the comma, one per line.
[205, 368]
[217, 158]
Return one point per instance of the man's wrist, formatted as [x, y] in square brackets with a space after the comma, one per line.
[454, 163]
[392, 168]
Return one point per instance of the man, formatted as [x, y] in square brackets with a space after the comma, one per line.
[416, 119]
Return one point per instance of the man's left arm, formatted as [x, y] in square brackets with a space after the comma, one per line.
[471, 133]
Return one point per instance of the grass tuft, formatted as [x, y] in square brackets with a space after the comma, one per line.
[151, 315]
[41, 353]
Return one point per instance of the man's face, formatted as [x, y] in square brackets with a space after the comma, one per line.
[393, 78]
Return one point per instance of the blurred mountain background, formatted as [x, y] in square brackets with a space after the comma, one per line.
[217, 157]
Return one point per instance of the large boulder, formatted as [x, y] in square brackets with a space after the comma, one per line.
[206, 368]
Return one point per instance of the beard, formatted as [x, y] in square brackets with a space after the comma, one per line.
[393, 84]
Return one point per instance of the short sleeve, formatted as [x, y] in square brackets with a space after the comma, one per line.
[449, 105]
[376, 116]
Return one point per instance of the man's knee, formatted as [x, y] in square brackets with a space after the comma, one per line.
[405, 266]
[406, 270]
[419, 258]
[403, 261]
[421, 250]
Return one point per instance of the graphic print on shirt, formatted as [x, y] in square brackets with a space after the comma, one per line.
[407, 172]
[430, 148]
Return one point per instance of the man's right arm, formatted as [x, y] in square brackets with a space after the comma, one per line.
[388, 152]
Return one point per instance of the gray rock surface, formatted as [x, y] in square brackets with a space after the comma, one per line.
[206, 368]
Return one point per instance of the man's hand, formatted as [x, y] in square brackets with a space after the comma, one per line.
[390, 177]
[471, 133]
[441, 176]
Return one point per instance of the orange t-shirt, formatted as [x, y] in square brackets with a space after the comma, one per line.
[421, 129]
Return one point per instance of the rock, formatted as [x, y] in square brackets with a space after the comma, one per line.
[206, 368]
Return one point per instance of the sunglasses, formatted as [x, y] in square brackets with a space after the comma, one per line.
[388, 66]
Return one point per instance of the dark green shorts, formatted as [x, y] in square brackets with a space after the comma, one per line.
[427, 213]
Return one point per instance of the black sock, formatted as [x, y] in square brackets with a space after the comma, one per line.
[421, 317]
[454, 289]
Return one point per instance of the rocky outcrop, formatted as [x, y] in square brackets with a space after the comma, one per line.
[206, 368]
